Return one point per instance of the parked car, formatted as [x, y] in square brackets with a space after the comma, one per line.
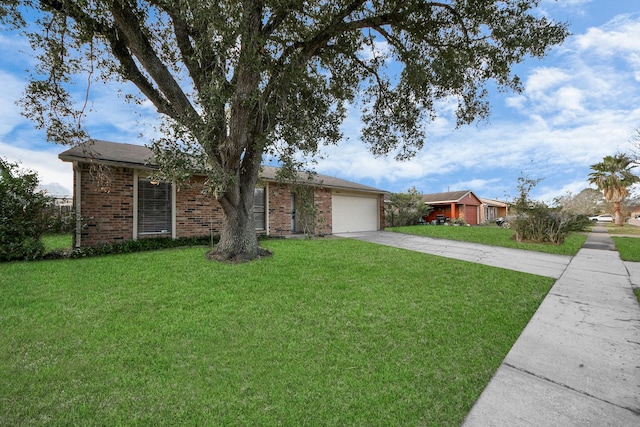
[603, 218]
[502, 222]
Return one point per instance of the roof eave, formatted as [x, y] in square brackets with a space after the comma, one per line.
[108, 162]
[321, 184]
[439, 202]
[147, 166]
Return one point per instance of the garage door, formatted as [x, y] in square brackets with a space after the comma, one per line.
[471, 214]
[354, 213]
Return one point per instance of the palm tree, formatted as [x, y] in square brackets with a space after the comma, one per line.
[613, 176]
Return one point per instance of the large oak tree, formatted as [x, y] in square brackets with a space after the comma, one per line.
[235, 80]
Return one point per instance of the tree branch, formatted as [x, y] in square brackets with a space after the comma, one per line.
[168, 97]
[187, 53]
[278, 17]
[127, 24]
[132, 73]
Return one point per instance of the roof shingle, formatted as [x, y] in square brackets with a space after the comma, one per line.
[139, 156]
[446, 197]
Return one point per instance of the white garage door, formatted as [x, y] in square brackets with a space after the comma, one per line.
[354, 213]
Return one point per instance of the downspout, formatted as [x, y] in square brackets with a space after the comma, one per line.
[78, 202]
[266, 209]
[174, 228]
[134, 226]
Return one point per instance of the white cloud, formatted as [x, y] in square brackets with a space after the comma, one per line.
[477, 185]
[548, 193]
[543, 79]
[565, 3]
[45, 162]
[9, 113]
[380, 49]
[619, 36]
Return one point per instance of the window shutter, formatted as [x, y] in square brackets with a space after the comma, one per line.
[154, 207]
[259, 211]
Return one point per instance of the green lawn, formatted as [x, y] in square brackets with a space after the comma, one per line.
[626, 229]
[57, 241]
[628, 247]
[493, 236]
[325, 332]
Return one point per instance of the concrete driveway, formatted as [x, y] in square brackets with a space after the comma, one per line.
[547, 265]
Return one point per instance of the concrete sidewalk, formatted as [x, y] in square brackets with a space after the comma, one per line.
[577, 362]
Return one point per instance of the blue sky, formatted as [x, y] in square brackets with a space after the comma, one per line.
[581, 103]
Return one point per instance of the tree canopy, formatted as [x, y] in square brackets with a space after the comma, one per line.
[589, 201]
[614, 175]
[237, 80]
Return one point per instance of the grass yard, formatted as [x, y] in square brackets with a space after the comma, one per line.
[57, 241]
[628, 247]
[493, 236]
[626, 229]
[325, 332]
[626, 239]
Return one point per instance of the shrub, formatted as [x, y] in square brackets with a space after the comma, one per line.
[579, 222]
[405, 209]
[129, 246]
[536, 222]
[23, 217]
[458, 221]
[60, 220]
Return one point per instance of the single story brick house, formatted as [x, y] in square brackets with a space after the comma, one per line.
[453, 204]
[115, 200]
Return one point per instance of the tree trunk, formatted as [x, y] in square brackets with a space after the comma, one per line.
[239, 154]
[238, 238]
[617, 217]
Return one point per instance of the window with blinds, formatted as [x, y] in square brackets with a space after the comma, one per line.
[154, 207]
[259, 212]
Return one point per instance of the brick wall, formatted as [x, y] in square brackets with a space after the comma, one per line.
[322, 200]
[280, 205]
[107, 208]
[279, 200]
[106, 205]
[196, 214]
[382, 217]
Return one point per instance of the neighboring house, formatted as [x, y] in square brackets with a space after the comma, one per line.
[493, 209]
[116, 201]
[453, 204]
[634, 211]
